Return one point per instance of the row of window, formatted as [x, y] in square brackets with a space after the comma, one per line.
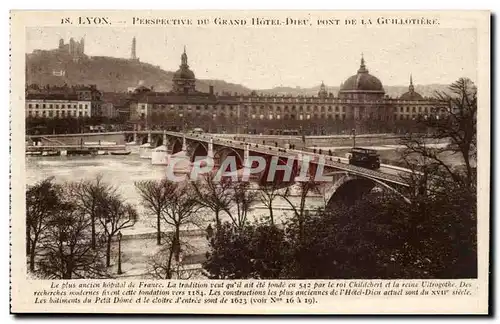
[286, 108]
[271, 116]
[57, 113]
[419, 110]
[57, 106]
[253, 108]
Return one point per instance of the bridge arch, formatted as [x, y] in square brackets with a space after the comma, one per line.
[222, 153]
[350, 188]
[200, 150]
[176, 145]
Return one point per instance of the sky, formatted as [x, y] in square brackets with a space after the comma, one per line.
[262, 58]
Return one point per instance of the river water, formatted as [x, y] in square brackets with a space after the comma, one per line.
[122, 172]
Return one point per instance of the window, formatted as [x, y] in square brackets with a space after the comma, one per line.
[36, 105]
[51, 106]
[80, 114]
[29, 105]
[63, 106]
[43, 106]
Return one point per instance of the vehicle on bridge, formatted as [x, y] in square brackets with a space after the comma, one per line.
[366, 158]
[197, 130]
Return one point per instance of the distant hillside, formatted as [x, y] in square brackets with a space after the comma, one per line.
[108, 73]
[117, 74]
[393, 91]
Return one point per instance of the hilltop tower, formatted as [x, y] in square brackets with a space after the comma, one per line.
[133, 54]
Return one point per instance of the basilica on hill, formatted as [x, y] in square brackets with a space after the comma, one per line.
[361, 104]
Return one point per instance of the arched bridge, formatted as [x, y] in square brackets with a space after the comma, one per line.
[348, 181]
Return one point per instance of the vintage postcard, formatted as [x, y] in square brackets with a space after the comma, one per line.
[250, 162]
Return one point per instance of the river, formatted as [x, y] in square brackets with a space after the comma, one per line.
[123, 171]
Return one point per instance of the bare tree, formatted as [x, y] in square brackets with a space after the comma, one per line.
[66, 250]
[162, 265]
[455, 122]
[43, 202]
[300, 212]
[180, 210]
[214, 195]
[89, 195]
[116, 216]
[268, 192]
[154, 196]
[243, 198]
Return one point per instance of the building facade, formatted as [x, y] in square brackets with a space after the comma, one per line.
[63, 102]
[361, 104]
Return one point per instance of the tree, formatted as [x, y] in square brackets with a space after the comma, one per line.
[43, 202]
[180, 210]
[154, 197]
[251, 251]
[300, 213]
[454, 122]
[243, 198]
[116, 216]
[66, 251]
[162, 265]
[267, 193]
[214, 195]
[90, 195]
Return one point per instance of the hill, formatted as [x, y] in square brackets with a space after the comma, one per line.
[108, 73]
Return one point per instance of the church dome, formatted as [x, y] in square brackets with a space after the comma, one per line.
[184, 73]
[411, 94]
[362, 81]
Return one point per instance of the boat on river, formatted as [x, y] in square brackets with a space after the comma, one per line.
[120, 152]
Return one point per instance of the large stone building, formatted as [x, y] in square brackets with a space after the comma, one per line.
[62, 102]
[76, 49]
[361, 104]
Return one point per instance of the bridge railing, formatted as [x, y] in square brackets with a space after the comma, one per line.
[287, 153]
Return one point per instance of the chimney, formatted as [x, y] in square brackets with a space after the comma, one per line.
[211, 89]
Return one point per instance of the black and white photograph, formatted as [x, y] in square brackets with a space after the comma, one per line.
[255, 147]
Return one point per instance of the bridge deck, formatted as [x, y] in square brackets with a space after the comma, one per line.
[288, 153]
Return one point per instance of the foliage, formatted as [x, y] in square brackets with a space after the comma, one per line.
[252, 251]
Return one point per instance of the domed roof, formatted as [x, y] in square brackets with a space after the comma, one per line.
[362, 81]
[411, 94]
[184, 72]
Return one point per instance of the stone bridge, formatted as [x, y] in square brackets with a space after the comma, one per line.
[348, 183]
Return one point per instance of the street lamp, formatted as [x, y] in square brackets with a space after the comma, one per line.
[119, 235]
[353, 132]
